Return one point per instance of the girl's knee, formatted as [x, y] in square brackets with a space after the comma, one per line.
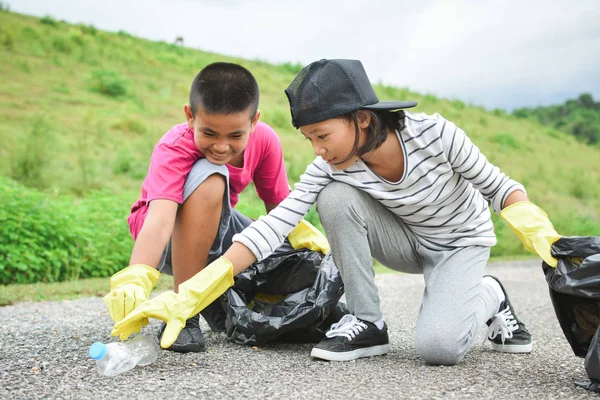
[334, 197]
[440, 349]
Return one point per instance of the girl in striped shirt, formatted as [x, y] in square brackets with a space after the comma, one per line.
[409, 190]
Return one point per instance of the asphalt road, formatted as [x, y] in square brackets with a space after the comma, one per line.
[43, 354]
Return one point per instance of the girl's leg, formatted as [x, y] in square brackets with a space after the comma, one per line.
[455, 303]
[359, 229]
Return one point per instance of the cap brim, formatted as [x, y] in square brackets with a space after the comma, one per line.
[391, 105]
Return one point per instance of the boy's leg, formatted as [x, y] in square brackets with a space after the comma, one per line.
[205, 226]
[196, 227]
[359, 229]
[201, 221]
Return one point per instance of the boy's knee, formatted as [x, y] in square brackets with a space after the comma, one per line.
[210, 190]
[214, 183]
[439, 349]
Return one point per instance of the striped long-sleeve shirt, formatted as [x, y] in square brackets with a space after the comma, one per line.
[443, 196]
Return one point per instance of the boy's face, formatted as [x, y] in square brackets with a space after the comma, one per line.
[221, 137]
[333, 140]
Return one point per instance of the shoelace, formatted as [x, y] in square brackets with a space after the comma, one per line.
[503, 324]
[349, 326]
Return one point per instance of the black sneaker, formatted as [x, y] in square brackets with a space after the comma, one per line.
[352, 338]
[215, 316]
[505, 331]
[190, 339]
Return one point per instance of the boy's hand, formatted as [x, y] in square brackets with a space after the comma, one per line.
[130, 287]
[176, 308]
[304, 235]
[533, 228]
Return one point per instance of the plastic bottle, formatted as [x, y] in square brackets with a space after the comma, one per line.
[117, 357]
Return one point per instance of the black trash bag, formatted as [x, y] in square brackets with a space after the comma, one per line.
[291, 297]
[575, 293]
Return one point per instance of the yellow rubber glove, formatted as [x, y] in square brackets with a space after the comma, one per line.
[176, 308]
[130, 287]
[533, 228]
[304, 235]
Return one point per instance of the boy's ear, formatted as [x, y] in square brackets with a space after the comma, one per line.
[189, 115]
[254, 120]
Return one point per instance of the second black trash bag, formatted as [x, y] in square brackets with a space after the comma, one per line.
[293, 297]
[575, 293]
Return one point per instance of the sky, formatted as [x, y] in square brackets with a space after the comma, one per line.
[497, 54]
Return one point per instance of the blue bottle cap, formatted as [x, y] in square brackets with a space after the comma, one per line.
[98, 351]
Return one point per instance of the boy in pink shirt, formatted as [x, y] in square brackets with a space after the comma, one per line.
[184, 218]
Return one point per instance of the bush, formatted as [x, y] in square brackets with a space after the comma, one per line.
[458, 104]
[60, 43]
[46, 238]
[48, 20]
[76, 36]
[291, 68]
[88, 29]
[29, 159]
[122, 162]
[130, 124]
[6, 40]
[108, 82]
[506, 140]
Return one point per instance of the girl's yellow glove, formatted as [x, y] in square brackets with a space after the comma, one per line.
[176, 308]
[533, 228]
[304, 235]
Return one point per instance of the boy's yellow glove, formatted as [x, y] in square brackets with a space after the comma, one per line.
[176, 308]
[533, 228]
[304, 235]
[130, 287]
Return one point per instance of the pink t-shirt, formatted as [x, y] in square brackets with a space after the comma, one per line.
[175, 154]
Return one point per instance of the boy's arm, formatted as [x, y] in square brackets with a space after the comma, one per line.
[155, 233]
[132, 286]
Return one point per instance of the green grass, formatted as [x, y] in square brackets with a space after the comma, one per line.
[94, 287]
[98, 287]
[81, 110]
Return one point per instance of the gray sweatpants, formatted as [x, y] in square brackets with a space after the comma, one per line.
[231, 223]
[454, 305]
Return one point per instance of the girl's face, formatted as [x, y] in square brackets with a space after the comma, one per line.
[333, 140]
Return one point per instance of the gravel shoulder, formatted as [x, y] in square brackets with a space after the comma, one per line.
[43, 354]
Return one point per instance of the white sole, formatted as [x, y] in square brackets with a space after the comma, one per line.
[350, 355]
[513, 348]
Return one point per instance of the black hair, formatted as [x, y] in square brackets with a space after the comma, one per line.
[381, 123]
[224, 88]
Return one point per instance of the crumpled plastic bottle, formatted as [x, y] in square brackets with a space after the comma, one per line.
[117, 357]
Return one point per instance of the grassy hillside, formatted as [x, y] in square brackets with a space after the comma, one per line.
[81, 109]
